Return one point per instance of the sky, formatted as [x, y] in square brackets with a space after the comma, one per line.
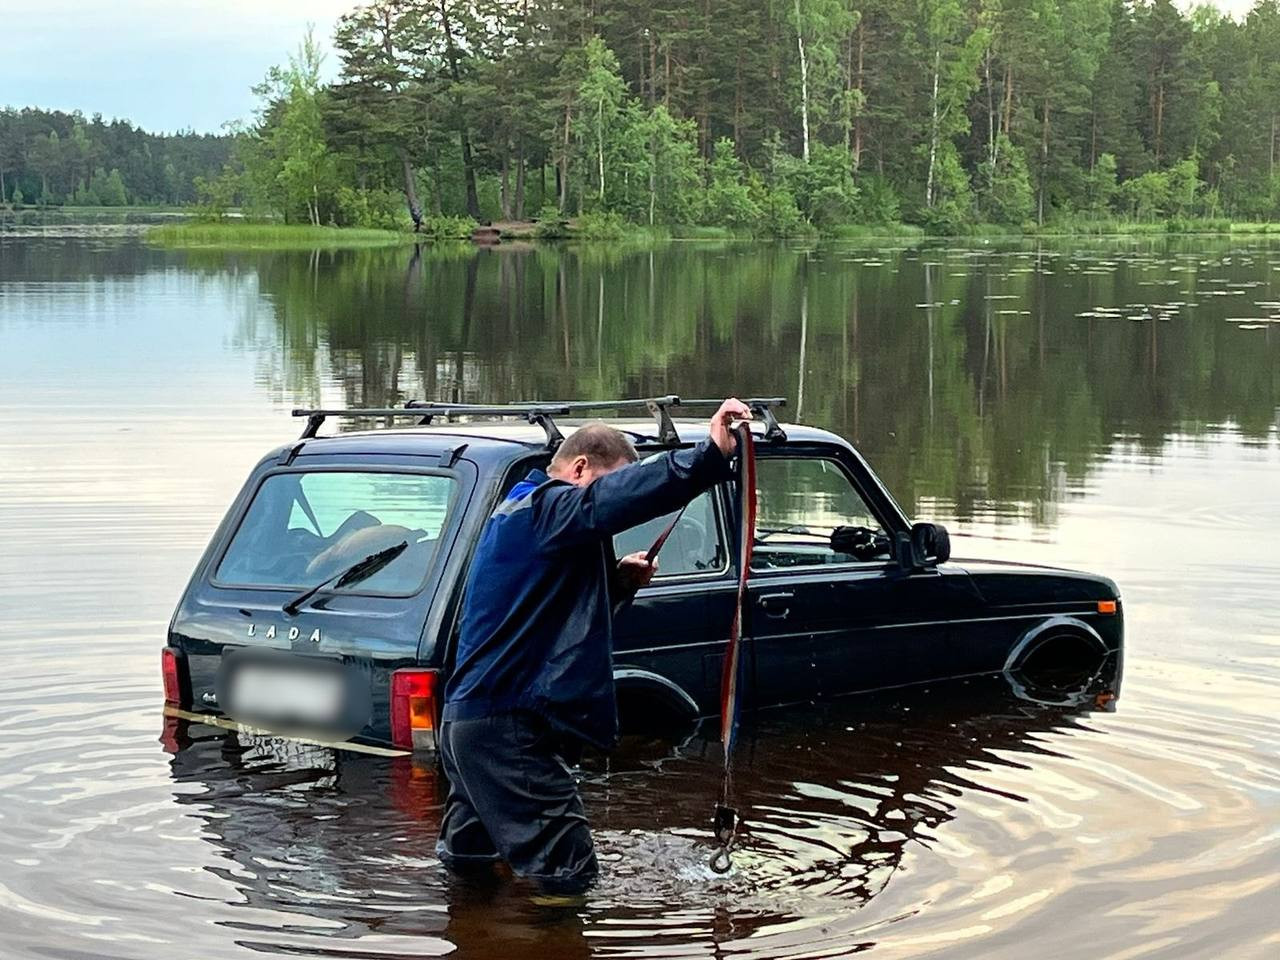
[176, 64]
[168, 64]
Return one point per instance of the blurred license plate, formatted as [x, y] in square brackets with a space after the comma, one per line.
[277, 693]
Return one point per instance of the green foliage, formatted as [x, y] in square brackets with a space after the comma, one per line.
[728, 201]
[599, 225]
[552, 224]
[1075, 226]
[676, 166]
[447, 228]
[101, 190]
[377, 208]
[1009, 198]
[214, 198]
[823, 188]
[85, 195]
[877, 202]
[813, 33]
[952, 209]
[289, 170]
[18, 198]
[1237, 227]
[779, 216]
[111, 191]
[1145, 197]
[1101, 186]
[1184, 187]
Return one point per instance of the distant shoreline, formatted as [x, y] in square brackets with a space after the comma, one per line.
[178, 228]
[303, 236]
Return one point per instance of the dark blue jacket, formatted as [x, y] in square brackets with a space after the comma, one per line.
[537, 622]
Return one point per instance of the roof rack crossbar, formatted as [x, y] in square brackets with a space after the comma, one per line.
[659, 408]
[428, 410]
[540, 414]
[543, 413]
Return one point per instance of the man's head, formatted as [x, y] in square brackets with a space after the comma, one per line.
[590, 452]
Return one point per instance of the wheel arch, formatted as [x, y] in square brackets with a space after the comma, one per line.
[1048, 630]
[633, 682]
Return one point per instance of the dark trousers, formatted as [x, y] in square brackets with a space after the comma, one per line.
[512, 797]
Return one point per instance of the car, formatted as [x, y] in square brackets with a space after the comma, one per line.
[327, 601]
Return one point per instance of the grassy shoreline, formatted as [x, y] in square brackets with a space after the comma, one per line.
[276, 236]
[1133, 228]
[271, 236]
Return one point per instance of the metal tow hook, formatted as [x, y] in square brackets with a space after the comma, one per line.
[724, 825]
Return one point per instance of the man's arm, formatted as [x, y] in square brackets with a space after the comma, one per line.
[624, 498]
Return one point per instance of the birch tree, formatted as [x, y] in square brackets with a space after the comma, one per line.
[953, 47]
[600, 92]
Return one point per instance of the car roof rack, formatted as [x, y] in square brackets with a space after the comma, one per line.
[542, 413]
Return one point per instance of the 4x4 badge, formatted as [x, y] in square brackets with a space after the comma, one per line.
[294, 633]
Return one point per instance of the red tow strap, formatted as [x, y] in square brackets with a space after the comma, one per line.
[652, 552]
[725, 822]
[747, 536]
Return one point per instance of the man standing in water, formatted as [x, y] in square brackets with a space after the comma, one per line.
[533, 677]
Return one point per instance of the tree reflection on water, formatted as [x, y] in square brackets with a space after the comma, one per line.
[983, 382]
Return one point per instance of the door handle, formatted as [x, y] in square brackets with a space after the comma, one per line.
[776, 605]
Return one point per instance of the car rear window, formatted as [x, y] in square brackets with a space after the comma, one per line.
[303, 528]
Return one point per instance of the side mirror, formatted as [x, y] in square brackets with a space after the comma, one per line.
[930, 544]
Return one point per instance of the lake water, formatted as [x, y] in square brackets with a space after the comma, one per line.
[1110, 405]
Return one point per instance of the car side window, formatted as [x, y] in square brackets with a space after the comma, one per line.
[809, 513]
[695, 545]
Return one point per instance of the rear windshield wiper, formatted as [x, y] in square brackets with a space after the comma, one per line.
[361, 570]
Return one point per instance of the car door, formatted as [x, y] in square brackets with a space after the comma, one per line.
[826, 621]
[675, 628]
[792, 610]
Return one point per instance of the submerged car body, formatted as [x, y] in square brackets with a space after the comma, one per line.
[363, 658]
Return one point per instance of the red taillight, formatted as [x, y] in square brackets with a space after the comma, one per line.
[172, 680]
[413, 705]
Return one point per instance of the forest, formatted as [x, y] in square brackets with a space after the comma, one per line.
[51, 157]
[769, 117]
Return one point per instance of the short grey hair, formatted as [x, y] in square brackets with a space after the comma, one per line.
[601, 444]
